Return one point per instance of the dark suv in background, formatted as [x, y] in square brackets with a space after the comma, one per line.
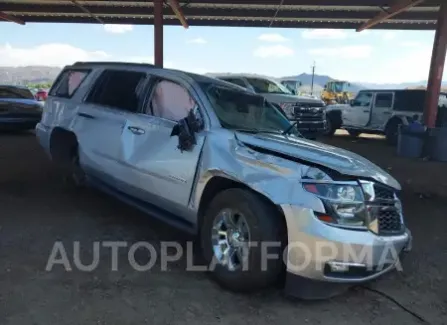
[19, 110]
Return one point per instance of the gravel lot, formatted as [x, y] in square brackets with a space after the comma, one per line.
[36, 210]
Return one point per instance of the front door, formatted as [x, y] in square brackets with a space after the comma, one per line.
[359, 112]
[382, 109]
[162, 173]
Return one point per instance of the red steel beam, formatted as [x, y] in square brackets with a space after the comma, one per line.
[10, 18]
[178, 12]
[158, 33]
[436, 69]
[397, 8]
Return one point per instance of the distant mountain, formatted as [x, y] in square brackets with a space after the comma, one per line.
[29, 74]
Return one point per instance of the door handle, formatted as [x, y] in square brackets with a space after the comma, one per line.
[387, 113]
[86, 115]
[366, 111]
[136, 130]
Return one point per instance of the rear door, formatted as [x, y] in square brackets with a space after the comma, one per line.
[358, 113]
[101, 120]
[163, 174]
[382, 109]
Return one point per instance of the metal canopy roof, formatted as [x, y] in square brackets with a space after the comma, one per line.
[350, 14]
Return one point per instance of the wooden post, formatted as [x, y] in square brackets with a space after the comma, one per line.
[436, 69]
[158, 33]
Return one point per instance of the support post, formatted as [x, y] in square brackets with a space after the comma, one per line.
[436, 69]
[158, 33]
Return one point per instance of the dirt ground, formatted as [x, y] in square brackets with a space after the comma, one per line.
[36, 210]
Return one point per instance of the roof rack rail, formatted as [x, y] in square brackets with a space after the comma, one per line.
[113, 63]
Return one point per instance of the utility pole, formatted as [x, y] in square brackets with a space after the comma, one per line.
[313, 76]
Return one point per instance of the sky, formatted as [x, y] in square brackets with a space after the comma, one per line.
[369, 56]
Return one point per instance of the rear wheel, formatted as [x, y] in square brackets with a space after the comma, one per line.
[75, 175]
[236, 226]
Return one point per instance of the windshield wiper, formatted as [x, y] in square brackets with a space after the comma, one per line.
[255, 131]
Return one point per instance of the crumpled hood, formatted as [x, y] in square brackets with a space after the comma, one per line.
[340, 160]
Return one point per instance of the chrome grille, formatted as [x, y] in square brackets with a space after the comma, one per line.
[308, 112]
[384, 207]
[389, 222]
[383, 193]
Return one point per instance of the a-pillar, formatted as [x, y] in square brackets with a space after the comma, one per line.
[436, 69]
[158, 33]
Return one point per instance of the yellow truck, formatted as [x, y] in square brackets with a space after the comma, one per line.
[335, 92]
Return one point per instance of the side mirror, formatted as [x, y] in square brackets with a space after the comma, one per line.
[186, 129]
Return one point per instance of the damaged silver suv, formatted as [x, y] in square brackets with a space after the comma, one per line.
[220, 162]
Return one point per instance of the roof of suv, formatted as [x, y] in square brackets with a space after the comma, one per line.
[194, 76]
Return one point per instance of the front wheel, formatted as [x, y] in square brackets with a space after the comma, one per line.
[353, 133]
[330, 130]
[239, 234]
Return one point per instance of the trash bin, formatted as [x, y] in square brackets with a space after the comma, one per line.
[410, 143]
[438, 144]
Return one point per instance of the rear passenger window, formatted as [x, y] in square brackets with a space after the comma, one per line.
[118, 89]
[384, 100]
[68, 82]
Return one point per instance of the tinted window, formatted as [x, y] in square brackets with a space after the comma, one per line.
[363, 99]
[15, 93]
[235, 81]
[118, 89]
[410, 101]
[384, 100]
[68, 82]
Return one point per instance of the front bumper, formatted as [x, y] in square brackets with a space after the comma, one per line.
[336, 257]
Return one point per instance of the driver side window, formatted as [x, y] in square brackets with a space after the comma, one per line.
[170, 101]
[363, 100]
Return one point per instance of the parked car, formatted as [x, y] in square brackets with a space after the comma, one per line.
[223, 163]
[41, 95]
[378, 112]
[18, 108]
[308, 113]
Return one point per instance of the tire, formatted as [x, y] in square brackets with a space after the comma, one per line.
[391, 132]
[353, 133]
[72, 173]
[330, 130]
[264, 224]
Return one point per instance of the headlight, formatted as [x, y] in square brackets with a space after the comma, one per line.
[344, 203]
[288, 109]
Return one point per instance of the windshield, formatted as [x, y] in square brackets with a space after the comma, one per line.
[268, 86]
[243, 111]
[338, 87]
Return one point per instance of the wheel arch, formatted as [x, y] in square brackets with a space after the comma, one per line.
[220, 182]
[395, 119]
[63, 142]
